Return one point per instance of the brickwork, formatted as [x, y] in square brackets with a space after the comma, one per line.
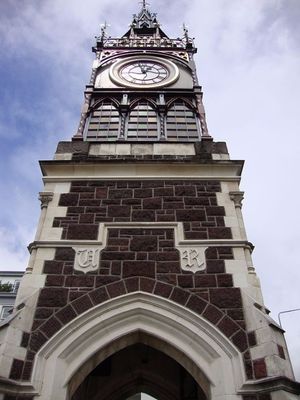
[192, 202]
[139, 259]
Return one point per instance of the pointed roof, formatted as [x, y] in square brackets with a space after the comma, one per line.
[145, 23]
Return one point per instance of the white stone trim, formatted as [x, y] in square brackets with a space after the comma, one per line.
[210, 352]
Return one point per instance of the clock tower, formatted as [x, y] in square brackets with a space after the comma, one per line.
[140, 277]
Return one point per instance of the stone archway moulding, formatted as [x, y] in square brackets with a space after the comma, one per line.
[206, 353]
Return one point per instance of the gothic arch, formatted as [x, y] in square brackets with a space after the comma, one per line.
[102, 330]
[148, 100]
[186, 101]
[114, 102]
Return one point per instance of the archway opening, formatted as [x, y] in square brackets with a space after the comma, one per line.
[139, 372]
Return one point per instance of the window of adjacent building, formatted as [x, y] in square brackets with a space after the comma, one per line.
[6, 311]
[181, 122]
[142, 122]
[104, 123]
[16, 286]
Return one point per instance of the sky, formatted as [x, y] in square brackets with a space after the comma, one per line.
[248, 64]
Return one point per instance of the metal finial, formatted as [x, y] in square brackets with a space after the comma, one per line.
[144, 4]
[103, 31]
[185, 31]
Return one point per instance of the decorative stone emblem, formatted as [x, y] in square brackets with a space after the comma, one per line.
[193, 258]
[86, 259]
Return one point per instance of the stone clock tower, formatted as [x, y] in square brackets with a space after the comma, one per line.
[140, 277]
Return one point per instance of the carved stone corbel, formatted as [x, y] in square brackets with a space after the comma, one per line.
[45, 198]
[237, 198]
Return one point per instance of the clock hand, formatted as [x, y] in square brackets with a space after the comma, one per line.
[142, 68]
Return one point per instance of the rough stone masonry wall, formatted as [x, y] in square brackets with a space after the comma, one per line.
[140, 259]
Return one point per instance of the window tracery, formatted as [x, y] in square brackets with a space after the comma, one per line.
[142, 122]
[181, 122]
[104, 122]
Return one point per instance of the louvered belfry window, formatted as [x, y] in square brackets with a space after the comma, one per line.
[142, 122]
[104, 123]
[181, 122]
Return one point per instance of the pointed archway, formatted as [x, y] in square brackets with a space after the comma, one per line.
[193, 345]
[139, 368]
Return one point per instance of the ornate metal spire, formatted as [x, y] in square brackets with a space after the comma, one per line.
[145, 19]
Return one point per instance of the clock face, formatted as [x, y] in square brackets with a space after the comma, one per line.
[144, 72]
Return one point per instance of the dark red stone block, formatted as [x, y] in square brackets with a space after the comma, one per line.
[117, 255]
[64, 254]
[219, 233]
[164, 256]
[104, 280]
[252, 339]
[53, 297]
[55, 280]
[196, 201]
[66, 314]
[37, 340]
[53, 267]
[89, 203]
[185, 191]
[120, 193]
[215, 266]
[260, 368]
[180, 296]
[164, 192]
[186, 281]
[196, 304]
[153, 203]
[142, 193]
[143, 215]
[101, 192]
[240, 340]
[152, 184]
[225, 280]
[16, 369]
[87, 218]
[228, 326]
[212, 314]
[27, 370]
[211, 253]
[98, 296]
[191, 215]
[196, 235]
[168, 278]
[168, 267]
[116, 289]
[204, 280]
[147, 285]
[226, 297]
[139, 268]
[163, 289]
[215, 211]
[132, 284]
[143, 243]
[82, 232]
[80, 281]
[43, 313]
[25, 339]
[50, 327]
[165, 218]
[236, 314]
[82, 304]
[119, 211]
[68, 199]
